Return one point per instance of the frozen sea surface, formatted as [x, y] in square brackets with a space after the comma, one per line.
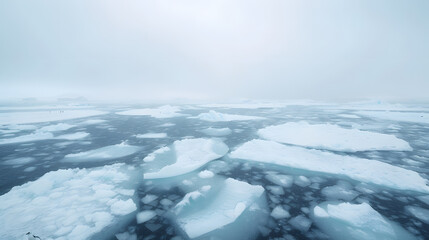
[253, 170]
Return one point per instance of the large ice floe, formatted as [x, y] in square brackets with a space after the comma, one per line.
[185, 156]
[332, 137]
[45, 116]
[166, 111]
[213, 116]
[232, 210]
[357, 222]
[102, 154]
[416, 117]
[40, 135]
[216, 132]
[70, 204]
[369, 171]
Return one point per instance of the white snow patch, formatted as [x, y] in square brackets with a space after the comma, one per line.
[369, 171]
[166, 111]
[332, 137]
[102, 154]
[213, 116]
[67, 204]
[190, 155]
[356, 221]
[206, 174]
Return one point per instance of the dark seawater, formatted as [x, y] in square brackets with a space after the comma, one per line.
[118, 128]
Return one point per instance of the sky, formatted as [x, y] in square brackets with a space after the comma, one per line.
[219, 50]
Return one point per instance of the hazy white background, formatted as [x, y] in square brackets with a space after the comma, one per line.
[215, 50]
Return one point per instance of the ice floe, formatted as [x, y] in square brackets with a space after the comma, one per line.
[102, 154]
[56, 127]
[18, 161]
[166, 111]
[145, 216]
[188, 154]
[216, 132]
[369, 171]
[279, 212]
[213, 116]
[68, 204]
[234, 206]
[206, 174]
[45, 116]
[152, 135]
[332, 137]
[356, 221]
[420, 213]
[416, 117]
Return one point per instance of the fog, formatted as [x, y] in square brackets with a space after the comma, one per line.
[214, 50]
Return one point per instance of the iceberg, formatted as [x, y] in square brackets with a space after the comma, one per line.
[235, 206]
[189, 154]
[216, 132]
[213, 116]
[45, 116]
[102, 154]
[332, 137]
[68, 204]
[356, 221]
[166, 111]
[359, 169]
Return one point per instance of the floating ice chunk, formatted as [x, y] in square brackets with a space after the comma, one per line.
[166, 111]
[424, 199]
[56, 127]
[340, 192]
[19, 161]
[37, 136]
[213, 116]
[249, 105]
[279, 179]
[190, 155]
[419, 117]
[149, 198]
[348, 116]
[92, 122]
[13, 128]
[231, 201]
[302, 181]
[420, 213]
[126, 236]
[276, 190]
[151, 156]
[68, 204]
[369, 171]
[332, 137]
[279, 212]
[152, 135]
[29, 169]
[356, 221]
[206, 174]
[216, 132]
[301, 223]
[73, 136]
[102, 154]
[145, 216]
[45, 116]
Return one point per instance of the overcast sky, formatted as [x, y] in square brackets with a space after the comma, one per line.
[215, 50]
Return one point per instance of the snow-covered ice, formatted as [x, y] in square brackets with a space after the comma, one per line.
[189, 154]
[68, 204]
[45, 116]
[166, 111]
[332, 137]
[279, 212]
[216, 132]
[56, 127]
[152, 135]
[102, 154]
[218, 211]
[213, 116]
[415, 117]
[356, 221]
[369, 171]
[145, 216]
[206, 174]
[341, 191]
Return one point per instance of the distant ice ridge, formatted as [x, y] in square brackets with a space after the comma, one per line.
[417, 117]
[332, 137]
[189, 154]
[369, 171]
[45, 116]
[234, 210]
[152, 135]
[213, 116]
[216, 132]
[69, 204]
[357, 222]
[166, 111]
[102, 154]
